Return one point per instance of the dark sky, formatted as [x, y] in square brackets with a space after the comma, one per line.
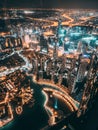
[50, 3]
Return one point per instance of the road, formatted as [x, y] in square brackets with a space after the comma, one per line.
[27, 65]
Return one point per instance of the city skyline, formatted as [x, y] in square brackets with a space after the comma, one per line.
[48, 65]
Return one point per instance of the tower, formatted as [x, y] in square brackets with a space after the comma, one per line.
[81, 74]
[55, 53]
[90, 88]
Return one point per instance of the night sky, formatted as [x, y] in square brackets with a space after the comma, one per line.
[90, 4]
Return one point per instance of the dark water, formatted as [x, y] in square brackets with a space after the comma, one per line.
[33, 118]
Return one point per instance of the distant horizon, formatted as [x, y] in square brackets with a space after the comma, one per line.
[48, 8]
[65, 4]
